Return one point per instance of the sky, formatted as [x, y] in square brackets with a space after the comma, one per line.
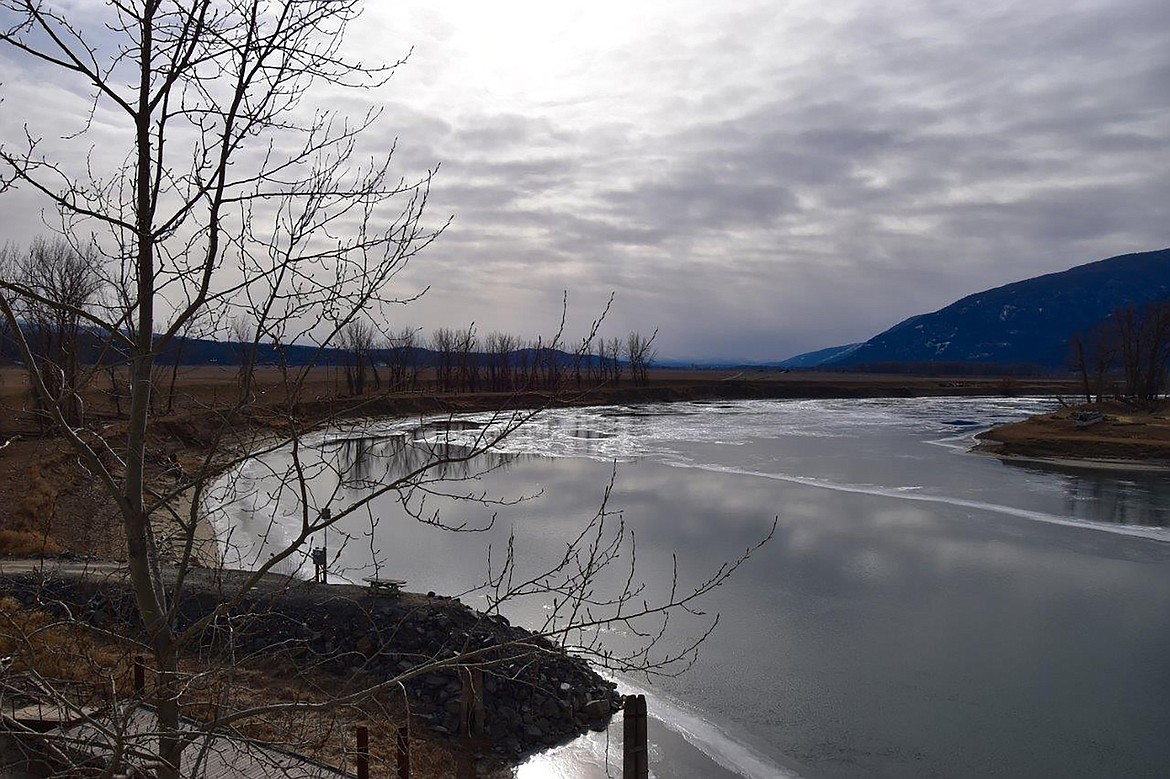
[752, 179]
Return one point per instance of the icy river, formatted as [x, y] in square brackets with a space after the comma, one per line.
[921, 610]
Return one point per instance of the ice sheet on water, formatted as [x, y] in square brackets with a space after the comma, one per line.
[624, 433]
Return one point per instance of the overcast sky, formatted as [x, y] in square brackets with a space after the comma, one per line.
[762, 178]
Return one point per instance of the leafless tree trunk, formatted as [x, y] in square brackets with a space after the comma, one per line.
[1094, 357]
[1081, 365]
[444, 343]
[403, 363]
[616, 369]
[230, 209]
[58, 284]
[1143, 339]
[501, 349]
[243, 336]
[356, 342]
[190, 201]
[640, 354]
[467, 357]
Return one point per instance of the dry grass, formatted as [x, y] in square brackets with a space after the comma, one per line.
[66, 651]
[54, 648]
[325, 734]
[28, 543]
[28, 533]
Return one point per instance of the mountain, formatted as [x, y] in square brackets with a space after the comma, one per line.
[1028, 322]
[819, 357]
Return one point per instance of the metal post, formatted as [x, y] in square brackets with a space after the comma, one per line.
[635, 754]
[363, 752]
[326, 515]
[403, 753]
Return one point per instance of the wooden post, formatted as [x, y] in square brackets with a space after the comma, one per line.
[635, 753]
[139, 675]
[403, 753]
[363, 752]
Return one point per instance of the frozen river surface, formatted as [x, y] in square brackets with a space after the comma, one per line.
[921, 610]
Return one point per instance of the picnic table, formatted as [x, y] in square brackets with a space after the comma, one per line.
[381, 584]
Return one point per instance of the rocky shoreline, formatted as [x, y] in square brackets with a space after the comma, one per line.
[534, 694]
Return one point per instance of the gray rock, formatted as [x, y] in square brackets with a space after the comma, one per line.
[598, 709]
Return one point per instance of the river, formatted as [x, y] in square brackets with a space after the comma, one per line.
[921, 610]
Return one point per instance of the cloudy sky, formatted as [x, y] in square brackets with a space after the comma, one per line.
[753, 178]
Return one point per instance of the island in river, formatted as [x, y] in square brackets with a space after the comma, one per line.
[1112, 432]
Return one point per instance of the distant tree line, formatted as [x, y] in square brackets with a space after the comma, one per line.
[1133, 345]
[940, 368]
[72, 354]
[460, 360]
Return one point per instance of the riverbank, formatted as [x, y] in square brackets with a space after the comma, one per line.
[342, 638]
[50, 504]
[1108, 434]
[800, 452]
[59, 503]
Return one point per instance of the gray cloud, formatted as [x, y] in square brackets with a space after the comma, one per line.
[761, 182]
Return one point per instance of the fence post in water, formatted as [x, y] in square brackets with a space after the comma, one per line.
[139, 675]
[363, 752]
[635, 755]
[403, 753]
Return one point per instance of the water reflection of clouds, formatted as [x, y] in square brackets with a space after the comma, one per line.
[869, 620]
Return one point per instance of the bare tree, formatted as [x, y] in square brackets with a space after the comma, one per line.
[444, 344]
[1143, 343]
[500, 356]
[403, 359]
[243, 336]
[201, 88]
[356, 342]
[616, 368]
[1094, 356]
[467, 356]
[59, 283]
[237, 200]
[640, 354]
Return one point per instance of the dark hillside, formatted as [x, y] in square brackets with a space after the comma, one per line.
[1028, 322]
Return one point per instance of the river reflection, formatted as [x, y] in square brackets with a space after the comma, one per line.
[1131, 497]
[921, 611]
[371, 462]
